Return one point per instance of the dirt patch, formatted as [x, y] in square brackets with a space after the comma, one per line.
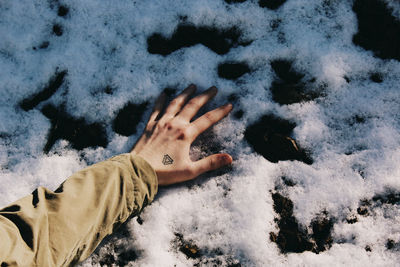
[287, 181]
[62, 11]
[367, 206]
[271, 4]
[116, 250]
[218, 40]
[238, 114]
[235, 1]
[378, 29]
[351, 219]
[52, 86]
[392, 245]
[42, 45]
[291, 86]
[187, 247]
[128, 117]
[57, 29]
[232, 70]
[203, 256]
[292, 237]
[376, 77]
[270, 136]
[392, 198]
[321, 232]
[76, 130]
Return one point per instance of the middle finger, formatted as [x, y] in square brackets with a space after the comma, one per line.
[193, 106]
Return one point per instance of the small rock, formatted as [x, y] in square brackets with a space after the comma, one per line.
[363, 211]
[57, 29]
[62, 11]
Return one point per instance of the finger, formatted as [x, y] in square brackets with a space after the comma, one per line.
[212, 162]
[176, 105]
[193, 106]
[207, 120]
[158, 107]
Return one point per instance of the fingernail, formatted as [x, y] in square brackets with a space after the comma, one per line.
[213, 89]
[228, 105]
[227, 159]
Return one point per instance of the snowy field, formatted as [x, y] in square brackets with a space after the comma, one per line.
[315, 130]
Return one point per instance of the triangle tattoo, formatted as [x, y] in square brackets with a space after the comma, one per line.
[167, 160]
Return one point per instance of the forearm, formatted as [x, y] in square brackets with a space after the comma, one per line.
[65, 226]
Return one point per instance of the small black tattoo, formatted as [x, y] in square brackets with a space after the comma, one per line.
[167, 160]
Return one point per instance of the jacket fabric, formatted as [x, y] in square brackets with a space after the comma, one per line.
[64, 227]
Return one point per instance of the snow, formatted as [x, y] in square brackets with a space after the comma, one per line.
[104, 44]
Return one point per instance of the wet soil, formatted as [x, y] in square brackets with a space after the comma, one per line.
[62, 11]
[232, 70]
[291, 86]
[378, 29]
[203, 256]
[270, 137]
[271, 4]
[77, 131]
[292, 237]
[218, 40]
[57, 30]
[50, 89]
[128, 117]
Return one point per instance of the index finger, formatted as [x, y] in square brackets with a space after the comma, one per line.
[207, 120]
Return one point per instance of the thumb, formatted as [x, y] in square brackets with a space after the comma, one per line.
[212, 162]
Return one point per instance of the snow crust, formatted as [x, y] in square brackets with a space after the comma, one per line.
[105, 44]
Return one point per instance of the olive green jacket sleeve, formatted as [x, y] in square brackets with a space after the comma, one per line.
[64, 227]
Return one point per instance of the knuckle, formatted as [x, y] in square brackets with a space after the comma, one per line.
[148, 130]
[182, 133]
[193, 104]
[168, 125]
[174, 101]
[150, 126]
[160, 125]
[213, 163]
[209, 116]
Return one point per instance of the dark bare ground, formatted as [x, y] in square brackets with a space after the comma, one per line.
[378, 29]
[271, 4]
[128, 117]
[218, 40]
[232, 70]
[291, 86]
[270, 136]
[292, 237]
[52, 86]
[76, 130]
[203, 256]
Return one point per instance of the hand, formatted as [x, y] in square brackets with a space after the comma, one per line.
[166, 141]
